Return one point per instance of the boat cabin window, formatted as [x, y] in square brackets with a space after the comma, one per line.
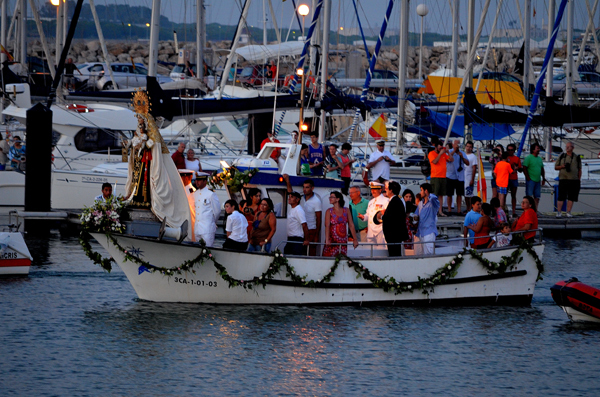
[279, 198]
[96, 140]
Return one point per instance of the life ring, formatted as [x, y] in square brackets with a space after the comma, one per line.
[288, 80]
[310, 81]
[79, 108]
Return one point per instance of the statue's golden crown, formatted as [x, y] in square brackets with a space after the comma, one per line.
[141, 102]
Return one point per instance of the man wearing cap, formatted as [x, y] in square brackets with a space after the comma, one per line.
[380, 162]
[297, 230]
[378, 203]
[186, 178]
[207, 209]
[178, 157]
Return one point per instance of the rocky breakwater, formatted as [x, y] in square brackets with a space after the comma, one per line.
[433, 57]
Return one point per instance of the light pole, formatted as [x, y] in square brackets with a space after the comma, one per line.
[303, 10]
[56, 3]
[301, 126]
[422, 10]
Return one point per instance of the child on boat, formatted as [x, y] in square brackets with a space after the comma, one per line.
[503, 237]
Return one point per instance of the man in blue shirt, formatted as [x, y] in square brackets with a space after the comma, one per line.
[427, 229]
[472, 217]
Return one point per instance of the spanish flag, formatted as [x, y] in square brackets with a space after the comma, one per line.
[8, 56]
[481, 185]
[378, 129]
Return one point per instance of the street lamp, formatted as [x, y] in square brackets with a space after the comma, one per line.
[303, 10]
[422, 10]
[301, 126]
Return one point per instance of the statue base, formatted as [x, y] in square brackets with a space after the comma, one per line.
[142, 223]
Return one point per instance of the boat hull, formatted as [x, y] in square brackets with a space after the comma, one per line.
[580, 301]
[15, 259]
[471, 286]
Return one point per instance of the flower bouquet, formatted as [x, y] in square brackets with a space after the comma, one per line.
[103, 216]
[231, 177]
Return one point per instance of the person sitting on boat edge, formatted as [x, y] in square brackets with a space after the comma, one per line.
[178, 157]
[393, 218]
[263, 228]
[528, 219]
[472, 218]
[337, 223]
[304, 160]
[237, 236]
[378, 202]
[483, 227]
[379, 163]
[297, 229]
[276, 153]
[207, 209]
[503, 237]
[106, 193]
[427, 229]
[358, 206]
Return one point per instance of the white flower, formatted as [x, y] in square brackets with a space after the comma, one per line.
[204, 251]
[260, 278]
[459, 256]
[450, 267]
[276, 255]
[409, 287]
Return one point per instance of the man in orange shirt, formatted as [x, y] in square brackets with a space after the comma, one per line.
[513, 180]
[502, 174]
[276, 152]
[438, 159]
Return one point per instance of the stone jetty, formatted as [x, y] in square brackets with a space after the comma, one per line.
[433, 57]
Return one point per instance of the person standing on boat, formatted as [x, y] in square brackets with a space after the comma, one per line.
[482, 228]
[337, 223]
[455, 176]
[494, 160]
[569, 179]
[333, 165]
[427, 229]
[276, 153]
[235, 227]
[378, 203]
[501, 175]
[438, 159]
[394, 220]
[312, 206]
[346, 160]
[16, 154]
[191, 162]
[178, 157]
[471, 219]
[380, 162]
[358, 207]
[470, 173]
[186, 178]
[316, 155]
[264, 227]
[106, 193]
[533, 168]
[208, 210]
[297, 229]
[513, 179]
[70, 69]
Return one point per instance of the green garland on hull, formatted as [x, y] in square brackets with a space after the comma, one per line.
[387, 283]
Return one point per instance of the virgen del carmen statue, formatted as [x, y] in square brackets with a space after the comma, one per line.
[154, 194]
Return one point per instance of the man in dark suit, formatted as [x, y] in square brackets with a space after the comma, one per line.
[394, 220]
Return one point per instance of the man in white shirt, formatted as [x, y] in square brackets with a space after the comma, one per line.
[207, 209]
[297, 229]
[470, 173]
[312, 206]
[378, 203]
[380, 162]
[236, 227]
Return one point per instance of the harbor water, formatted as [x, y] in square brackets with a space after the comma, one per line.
[72, 329]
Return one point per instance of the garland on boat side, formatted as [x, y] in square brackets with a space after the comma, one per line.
[387, 283]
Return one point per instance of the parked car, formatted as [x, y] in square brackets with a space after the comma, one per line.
[126, 75]
[588, 85]
[180, 72]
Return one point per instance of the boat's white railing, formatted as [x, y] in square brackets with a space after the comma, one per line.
[459, 242]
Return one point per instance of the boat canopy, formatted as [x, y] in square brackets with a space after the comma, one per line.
[259, 52]
[490, 91]
[481, 132]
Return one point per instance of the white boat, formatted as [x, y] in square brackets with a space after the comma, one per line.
[160, 271]
[15, 259]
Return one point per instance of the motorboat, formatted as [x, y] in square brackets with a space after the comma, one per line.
[15, 259]
[163, 270]
[580, 301]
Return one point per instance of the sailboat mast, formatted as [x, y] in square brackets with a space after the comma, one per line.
[154, 32]
[527, 48]
[325, 67]
[569, 83]
[200, 34]
[402, 58]
[455, 32]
